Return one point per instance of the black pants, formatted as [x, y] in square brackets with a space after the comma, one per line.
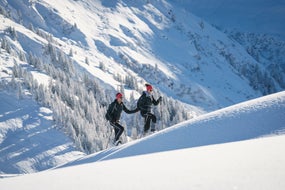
[148, 117]
[119, 129]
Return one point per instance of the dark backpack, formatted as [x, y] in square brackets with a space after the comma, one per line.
[139, 102]
[110, 110]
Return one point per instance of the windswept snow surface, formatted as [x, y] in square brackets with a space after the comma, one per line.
[28, 140]
[239, 147]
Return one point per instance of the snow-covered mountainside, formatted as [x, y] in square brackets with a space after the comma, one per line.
[238, 147]
[142, 40]
[254, 16]
[29, 141]
[72, 56]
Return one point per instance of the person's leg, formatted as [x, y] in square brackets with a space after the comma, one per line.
[153, 119]
[119, 129]
[148, 118]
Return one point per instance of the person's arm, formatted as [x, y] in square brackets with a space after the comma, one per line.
[129, 111]
[156, 102]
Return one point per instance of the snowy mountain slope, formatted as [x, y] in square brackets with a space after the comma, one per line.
[256, 24]
[252, 119]
[255, 16]
[28, 140]
[249, 155]
[67, 45]
[143, 39]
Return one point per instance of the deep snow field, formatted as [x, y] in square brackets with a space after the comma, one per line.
[238, 147]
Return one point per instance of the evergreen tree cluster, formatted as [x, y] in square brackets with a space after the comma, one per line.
[73, 102]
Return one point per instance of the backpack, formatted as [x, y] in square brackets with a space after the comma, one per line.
[139, 102]
[107, 116]
[109, 112]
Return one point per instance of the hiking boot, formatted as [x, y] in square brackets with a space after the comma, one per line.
[116, 143]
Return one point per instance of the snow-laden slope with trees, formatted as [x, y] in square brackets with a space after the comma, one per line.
[29, 141]
[238, 147]
[73, 56]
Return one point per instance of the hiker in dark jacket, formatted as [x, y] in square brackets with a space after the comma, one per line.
[113, 115]
[144, 104]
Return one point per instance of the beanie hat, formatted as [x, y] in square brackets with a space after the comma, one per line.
[119, 95]
[148, 87]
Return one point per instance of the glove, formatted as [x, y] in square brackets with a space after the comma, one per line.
[159, 99]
